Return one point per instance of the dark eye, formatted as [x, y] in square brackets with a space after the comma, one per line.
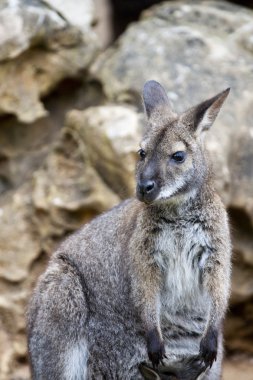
[142, 153]
[179, 157]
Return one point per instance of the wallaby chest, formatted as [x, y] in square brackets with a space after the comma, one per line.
[181, 252]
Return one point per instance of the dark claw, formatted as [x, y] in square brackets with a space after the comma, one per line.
[208, 347]
[156, 357]
[156, 350]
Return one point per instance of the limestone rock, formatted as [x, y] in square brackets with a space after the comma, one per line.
[111, 135]
[81, 14]
[241, 367]
[52, 49]
[34, 74]
[23, 24]
[6, 352]
[241, 168]
[173, 44]
[13, 347]
[18, 245]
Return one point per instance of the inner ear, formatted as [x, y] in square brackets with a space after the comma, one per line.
[202, 116]
[156, 101]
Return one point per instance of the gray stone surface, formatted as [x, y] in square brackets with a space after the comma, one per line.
[25, 23]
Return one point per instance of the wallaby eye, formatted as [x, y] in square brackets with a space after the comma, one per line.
[179, 157]
[142, 153]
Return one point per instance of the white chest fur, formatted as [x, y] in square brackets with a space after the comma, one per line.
[181, 253]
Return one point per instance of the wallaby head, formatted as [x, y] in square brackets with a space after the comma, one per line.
[172, 157]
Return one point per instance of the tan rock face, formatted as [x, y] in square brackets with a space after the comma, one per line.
[23, 24]
[80, 14]
[35, 73]
[52, 49]
[111, 135]
[240, 368]
[15, 235]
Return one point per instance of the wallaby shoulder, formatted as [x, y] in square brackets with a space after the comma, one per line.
[105, 227]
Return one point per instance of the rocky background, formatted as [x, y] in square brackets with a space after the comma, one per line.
[70, 123]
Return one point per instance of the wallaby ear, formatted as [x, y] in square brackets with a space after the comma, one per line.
[156, 102]
[202, 116]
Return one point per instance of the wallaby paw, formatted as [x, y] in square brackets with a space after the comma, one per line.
[156, 357]
[208, 347]
[156, 349]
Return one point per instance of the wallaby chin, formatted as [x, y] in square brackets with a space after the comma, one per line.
[172, 199]
[142, 284]
[146, 200]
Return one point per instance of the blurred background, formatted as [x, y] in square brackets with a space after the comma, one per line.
[71, 74]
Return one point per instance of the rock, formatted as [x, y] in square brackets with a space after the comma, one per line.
[242, 284]
[172, 44]
[239, 367]
[6, 352]
[35, 74]
[241, 169]
[81, 14]
[18, 244]
[23, 147]
[22, 150]
[12, 315]
[12, 326]
[111, 135]
[24, 24]
[52, 49]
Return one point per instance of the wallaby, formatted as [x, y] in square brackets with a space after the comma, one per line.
[148, 281]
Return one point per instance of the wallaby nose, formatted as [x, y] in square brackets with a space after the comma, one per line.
[146, 187]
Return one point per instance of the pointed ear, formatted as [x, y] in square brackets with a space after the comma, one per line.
[202, 116]
[156, 102]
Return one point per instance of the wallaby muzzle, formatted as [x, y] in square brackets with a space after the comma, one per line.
[147, 190]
